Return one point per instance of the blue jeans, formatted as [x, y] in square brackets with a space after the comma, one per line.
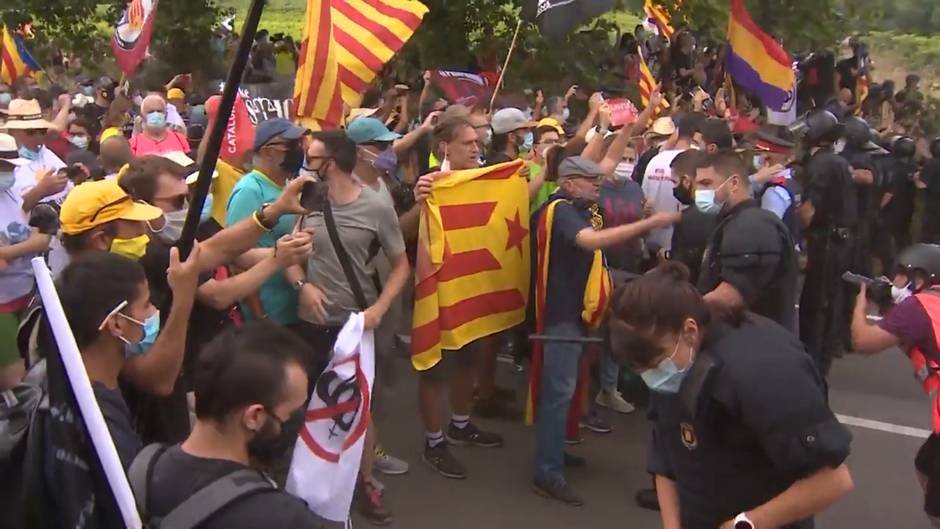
[609, 372]
[559, 378]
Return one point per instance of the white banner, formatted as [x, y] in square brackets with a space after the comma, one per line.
[326, 457]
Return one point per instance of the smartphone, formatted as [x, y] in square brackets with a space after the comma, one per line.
[313, 196]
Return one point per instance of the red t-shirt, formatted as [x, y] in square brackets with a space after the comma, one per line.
[142, 145]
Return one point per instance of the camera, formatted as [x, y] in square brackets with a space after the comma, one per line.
[45, 218]
[877, 290]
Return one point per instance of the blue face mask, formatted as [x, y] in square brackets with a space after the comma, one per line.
[88, 90]
[387, 161]
[156, 119]
[565, 114]
[6, 181]
[666, 377]
[706, 202]
[151, 330]
[27, 153]
[206, 213]
[528, 139]
[5, 98]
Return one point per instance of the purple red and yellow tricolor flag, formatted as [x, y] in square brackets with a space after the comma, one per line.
[648, 85]
[757, 61]
[345, 44]
[472, 272]
[15, 61]
[597, 292]
[658, 15]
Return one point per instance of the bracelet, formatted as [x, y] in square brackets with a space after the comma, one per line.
[254, 217]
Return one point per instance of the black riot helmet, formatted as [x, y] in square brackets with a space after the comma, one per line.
[817, 127]
[921, 258]
[856, 132]
[935, 148]
[903, 148]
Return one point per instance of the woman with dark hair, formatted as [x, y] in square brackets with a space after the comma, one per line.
[742, 436]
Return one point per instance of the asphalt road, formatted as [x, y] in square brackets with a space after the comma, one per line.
[497, 495]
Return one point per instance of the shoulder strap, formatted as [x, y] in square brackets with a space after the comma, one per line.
[343, 257]
[139, 474]
[214, 497]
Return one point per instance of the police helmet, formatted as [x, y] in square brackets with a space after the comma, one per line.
[856, 132]
[818, 126]
[935, 148]
[923, 258]
[903, 147]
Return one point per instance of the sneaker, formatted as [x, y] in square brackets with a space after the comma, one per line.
[557, 491]
[369, 504]
[574, 461]
[614, 400]
[389, 464]
[471, 435]
[440, 459]
[576, 440]
[647, 499]
[597, 425]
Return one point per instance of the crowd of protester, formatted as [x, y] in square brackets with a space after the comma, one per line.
[215, 354]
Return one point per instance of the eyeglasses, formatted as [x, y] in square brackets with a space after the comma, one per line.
[125, 198]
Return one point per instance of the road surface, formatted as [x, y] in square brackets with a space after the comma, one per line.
[886, 412]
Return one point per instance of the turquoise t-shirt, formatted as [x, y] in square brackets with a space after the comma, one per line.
[253, 190]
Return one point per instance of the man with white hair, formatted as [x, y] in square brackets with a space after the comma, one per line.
[156, 138]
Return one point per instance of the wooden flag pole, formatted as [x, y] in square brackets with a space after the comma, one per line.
[502, 73]
[226, 105]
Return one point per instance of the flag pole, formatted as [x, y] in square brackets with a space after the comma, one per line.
[85, 396]
[502, 72]
[207, 166]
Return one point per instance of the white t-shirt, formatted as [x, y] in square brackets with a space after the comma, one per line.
[657, 188]
[26, 180]
[16, 280]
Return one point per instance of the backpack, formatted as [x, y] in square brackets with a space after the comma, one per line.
[199, 507]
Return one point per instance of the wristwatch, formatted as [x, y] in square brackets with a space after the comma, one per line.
[741, 521]
[297, 285]
[267, 223]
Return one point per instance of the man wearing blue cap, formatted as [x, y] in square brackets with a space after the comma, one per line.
[279, 155]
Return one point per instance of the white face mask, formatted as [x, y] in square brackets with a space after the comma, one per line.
[624, 171]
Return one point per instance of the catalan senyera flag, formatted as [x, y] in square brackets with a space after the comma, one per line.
[648, 85]
[15, 61]
[861, 93]
[132, 34]
[345, 44]
[472, 272]
[659, 16]
[757, 61]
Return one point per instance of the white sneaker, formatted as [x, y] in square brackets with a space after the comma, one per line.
[614, 400]
[389, 464]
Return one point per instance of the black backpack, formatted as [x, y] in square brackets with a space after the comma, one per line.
[200, 506]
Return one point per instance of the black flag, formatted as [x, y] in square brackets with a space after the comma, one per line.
[557, 18]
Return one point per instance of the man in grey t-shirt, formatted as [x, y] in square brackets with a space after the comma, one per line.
[366, 225]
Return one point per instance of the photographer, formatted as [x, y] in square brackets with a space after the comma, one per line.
[910, 324]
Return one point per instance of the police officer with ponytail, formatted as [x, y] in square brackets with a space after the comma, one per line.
[830, 215]
[910, 317]
[742, 436]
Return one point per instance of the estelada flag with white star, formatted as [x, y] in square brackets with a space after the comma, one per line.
[472, 272]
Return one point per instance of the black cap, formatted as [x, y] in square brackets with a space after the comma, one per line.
[818, 126]
[924, 258]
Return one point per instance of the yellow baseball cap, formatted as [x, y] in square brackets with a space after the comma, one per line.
[95, 203]
[552, 122]
[175, 93]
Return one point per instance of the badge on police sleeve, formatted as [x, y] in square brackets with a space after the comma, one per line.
[688, 435]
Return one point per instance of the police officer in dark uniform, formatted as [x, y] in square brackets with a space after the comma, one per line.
[830, 214]
[930, 181]
[882, 243]
[900, 210]
[742, 435]
[750, 261]
[858, 151]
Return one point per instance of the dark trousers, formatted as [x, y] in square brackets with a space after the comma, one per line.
[824, 307]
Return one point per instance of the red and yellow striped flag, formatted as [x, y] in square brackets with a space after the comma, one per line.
[345, 44]
[648, 85]
[472, 272]
[658, 15]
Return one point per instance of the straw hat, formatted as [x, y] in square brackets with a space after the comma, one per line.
[25, 114]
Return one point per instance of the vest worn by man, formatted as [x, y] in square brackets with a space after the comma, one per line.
[927, 366]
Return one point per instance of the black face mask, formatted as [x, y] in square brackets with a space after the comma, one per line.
[293, 159]
[683, 194]
[267, 445]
